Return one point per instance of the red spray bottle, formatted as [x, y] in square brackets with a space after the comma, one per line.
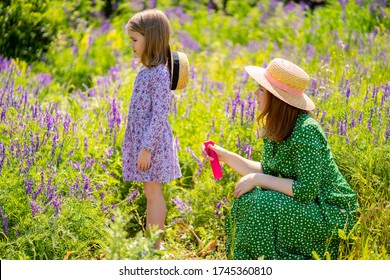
[215, 165]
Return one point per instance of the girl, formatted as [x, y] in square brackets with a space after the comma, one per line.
[303, 199]
[149, 153]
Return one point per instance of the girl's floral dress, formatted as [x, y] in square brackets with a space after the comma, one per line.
[148, 127]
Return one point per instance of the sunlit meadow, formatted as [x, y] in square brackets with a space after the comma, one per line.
[63, 119]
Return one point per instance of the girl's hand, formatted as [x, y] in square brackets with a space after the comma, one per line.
[245, 184]
[143, 160]
[221, 152]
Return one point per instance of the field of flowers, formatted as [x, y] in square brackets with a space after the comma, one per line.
[63, 118]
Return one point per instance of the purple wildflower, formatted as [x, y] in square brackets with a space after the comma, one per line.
[77, 165]
[242, 111]
[198, 161]
[110, 151]
[39, 190]
[114, 72]
[188, 42]
[102, 166]
[217, 213]
[352, 124]
[178, 203]
[323, 117]
[177, 144]
[29, 187]
[360, 119]
[209, 6]
[369, 125]
[343, 3]
[5, 221]
[115, 118]
[342, 128]
[75, 48]
[86, 184]
[2, 156]
[152, 4]
[249, 149]
[348, 93]
[133, 195]
[49, 121]
[43, 79]
[56, 204]
[105, 26]
[219, 204]
[227, 108]
[4, 114]
[5, 224]
[178, 12]
[66, 123]
[224, 199]
[86, 143]
[35, 208]
[310, 49]
[183, 207]
[234, 109]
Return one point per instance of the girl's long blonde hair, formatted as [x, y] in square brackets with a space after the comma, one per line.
[154, 26]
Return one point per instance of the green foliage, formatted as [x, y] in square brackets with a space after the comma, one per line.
[120, 247]
[26, 31]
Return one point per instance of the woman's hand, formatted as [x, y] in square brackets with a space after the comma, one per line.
[143, 160]
[221, 152]
[245, 184]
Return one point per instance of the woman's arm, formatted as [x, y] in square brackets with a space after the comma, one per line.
[240, 164]
[307, 154]
[249, 181]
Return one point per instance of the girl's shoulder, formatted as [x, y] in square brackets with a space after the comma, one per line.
[154, 75]
[157, 70]
[158, 73]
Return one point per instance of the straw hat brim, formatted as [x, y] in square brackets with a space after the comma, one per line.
[301, 101]
[179, 68]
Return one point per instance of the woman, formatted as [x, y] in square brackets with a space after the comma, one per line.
[293, 203]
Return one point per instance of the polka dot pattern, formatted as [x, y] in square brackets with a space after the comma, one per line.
[271, 225]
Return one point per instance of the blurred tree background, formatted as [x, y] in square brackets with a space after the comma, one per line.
[29, 26]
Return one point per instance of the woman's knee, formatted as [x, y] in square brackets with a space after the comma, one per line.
[268, 201]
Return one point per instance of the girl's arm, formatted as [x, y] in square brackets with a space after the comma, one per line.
[240, 164]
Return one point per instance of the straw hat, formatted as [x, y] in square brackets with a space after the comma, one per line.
[179, 67]
[285, 80]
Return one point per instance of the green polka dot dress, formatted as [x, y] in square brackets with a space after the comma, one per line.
[267, 224]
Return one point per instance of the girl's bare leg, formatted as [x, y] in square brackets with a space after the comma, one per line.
[155, 207]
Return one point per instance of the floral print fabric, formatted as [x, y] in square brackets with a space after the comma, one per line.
[148, 127]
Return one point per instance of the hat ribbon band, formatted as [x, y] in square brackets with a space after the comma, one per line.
[282, 86]
[175, 70]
